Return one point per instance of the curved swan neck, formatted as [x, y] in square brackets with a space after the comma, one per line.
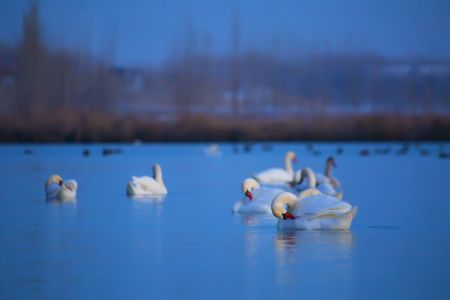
[281, 202]
[249, 184]
[311, 177]
[288, 163]
[308, 193]
[328, 168]
[157, 174]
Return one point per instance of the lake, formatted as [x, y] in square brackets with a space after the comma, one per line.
[190, 245]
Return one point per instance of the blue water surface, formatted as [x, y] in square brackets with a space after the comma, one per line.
[107, 246]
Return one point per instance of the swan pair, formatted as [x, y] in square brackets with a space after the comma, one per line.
[310, 210]
[280, 176]
[56, 189]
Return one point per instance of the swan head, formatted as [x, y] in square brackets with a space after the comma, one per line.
[71, 185]
[248, 185]
[291, 156]
[156, 168]
[305, 173]
[331, 162]
[283, 206]
[54, 179]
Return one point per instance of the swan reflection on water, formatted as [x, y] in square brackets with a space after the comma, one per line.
[295, 250]
[328, 244]
[256, 219]
[56, 202]
[148, 205]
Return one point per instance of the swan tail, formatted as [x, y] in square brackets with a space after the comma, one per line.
[353, 211]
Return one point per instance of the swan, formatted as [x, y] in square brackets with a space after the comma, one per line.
[329, 164]
[311, 182]
[312, 210]
[278, 175]
[213, 150]
[58, 189]
[257, 199]
[146, 186]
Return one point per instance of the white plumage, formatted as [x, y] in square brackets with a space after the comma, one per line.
[307, 180]
[257, 199]
[312, 211]
[146, 186]
[56, 189]
[278, 175]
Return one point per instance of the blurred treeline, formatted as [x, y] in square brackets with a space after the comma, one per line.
[68, 95]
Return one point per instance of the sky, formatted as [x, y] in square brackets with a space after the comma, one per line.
[148, 31]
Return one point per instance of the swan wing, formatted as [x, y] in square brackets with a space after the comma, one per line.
[274, 176]
[319, 204]
[326, 189]
[52, 190]
[146, 185]
[320, 178]
[261, 203]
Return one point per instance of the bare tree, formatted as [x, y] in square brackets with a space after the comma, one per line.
[235, 81]
[31, 62]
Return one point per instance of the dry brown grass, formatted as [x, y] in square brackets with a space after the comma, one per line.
[70, 126]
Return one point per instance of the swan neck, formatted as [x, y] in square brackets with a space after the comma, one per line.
[328, 169]
[288, 164]
[157, 175]
[281, 202]
[311, 178]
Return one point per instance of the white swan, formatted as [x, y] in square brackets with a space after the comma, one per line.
[278, 175]
[56, 189]
[312, 210]
[213, 150]
[308, 177]
[257, 199]
[329, 164]
[146, 186]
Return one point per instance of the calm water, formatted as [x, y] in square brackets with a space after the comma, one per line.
[107, 246]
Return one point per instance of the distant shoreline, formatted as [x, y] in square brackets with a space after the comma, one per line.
[69, 127]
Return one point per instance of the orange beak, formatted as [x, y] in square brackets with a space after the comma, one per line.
[249, 195]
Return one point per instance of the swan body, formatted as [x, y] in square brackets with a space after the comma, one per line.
[312, 210]
[56, 189]
[258, 199]
[328, 178]
[277, 176]
[146, 186]
[320, 178]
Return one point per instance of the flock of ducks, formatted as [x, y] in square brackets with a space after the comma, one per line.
[300, 200]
